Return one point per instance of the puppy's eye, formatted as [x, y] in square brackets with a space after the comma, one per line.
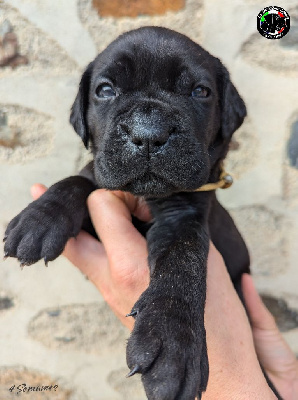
[200, 92]
[105, 91]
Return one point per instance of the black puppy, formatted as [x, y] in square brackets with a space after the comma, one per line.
[158, 112]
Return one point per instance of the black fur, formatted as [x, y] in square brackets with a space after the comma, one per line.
[155, 139]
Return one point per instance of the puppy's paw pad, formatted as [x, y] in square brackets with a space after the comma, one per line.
[37, 232]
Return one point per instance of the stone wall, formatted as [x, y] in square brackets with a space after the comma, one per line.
[55, 328]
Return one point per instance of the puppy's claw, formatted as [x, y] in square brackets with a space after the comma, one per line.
[133, 371]
[133, 313]
[46, 263]
[5, 256]
[5, 237]
[22, 265]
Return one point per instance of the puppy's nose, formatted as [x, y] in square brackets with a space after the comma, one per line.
[150, 138]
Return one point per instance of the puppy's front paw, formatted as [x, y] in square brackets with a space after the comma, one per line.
[40, 231]
[168, 347]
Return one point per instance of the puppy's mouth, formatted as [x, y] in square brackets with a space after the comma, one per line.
[159, 180]
[149, 185]
[179, 167]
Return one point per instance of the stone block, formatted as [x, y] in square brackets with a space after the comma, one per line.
[244, 150]
[91, 328]
[30, 136]
[44, 55]
[187, 20]
[280, 56]
[22, 381]
[134, 8]
[131, 389]
[266, 234]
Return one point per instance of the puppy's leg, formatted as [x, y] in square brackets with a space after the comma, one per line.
[228, 241]
[168, 343]
[42, 229]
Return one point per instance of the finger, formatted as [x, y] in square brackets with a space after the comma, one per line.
[84, 251]
[89, 256]
[136, 205]
[37, 190]
[259, 315]
[126, 248]
[112, 220]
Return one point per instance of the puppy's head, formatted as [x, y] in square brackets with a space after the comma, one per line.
[158, 111]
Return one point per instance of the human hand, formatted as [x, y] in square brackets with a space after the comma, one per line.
[272, 350]
[235, 372]
[118, 267]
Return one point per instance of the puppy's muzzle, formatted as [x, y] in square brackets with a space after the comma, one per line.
[147, 133]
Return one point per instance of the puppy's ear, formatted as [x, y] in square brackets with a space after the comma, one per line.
[78, 115]
[232, 106]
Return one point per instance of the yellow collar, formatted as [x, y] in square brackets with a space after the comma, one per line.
[224, 182]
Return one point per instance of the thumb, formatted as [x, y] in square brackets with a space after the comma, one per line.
[37, 190]
[84, 251]
[111, 218]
